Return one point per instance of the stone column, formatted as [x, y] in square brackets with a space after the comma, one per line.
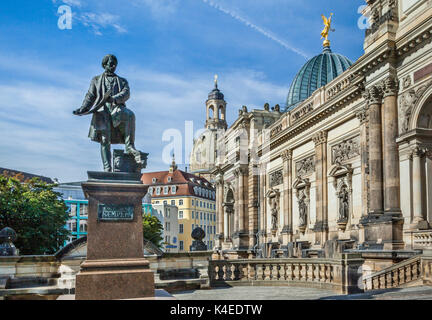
[219, 211]
[364, 118]
[236, 203]
[390, 147]
[287, 230]
[321, 225]
[226, 223]
[241, 203]
[374, 97]
[417, 186]
[252, 203]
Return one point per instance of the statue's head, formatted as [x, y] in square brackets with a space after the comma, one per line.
[109, 63]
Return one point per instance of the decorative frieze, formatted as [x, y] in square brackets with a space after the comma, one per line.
[275, 130]
[276, 178]
[346, 150]
[300, 113]
[305, 167]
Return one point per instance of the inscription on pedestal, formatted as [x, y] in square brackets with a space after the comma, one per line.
[115, 212]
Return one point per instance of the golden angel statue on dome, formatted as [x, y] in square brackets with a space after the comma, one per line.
[327, 28]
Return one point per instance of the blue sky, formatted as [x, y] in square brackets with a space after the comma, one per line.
[169, 50]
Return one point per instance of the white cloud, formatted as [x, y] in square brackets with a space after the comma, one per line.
[98, 21]
[76, 3]
[158, 8]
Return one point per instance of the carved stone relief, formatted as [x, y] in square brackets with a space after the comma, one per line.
[346, 150]
[276, 178]
[407, 103]
[305, 167]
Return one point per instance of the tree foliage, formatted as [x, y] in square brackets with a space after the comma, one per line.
[153, 229]
[36, 213]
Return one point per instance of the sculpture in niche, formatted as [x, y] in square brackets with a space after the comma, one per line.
[343, 203]
[274, 215]
[406, 105]
[273, 196]
[302, 212]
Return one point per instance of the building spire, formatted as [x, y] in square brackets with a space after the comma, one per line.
[173, 166]
[216, 81]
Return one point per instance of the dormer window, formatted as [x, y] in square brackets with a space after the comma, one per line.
[169, 179]
[173, 189]
[166, 190]
[158, 191]
[154, 180]
[150, 190]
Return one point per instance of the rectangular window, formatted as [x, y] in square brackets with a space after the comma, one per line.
[165, 202]
[201, 204]
[193, 215]
[166, 190]
[192, 201]
[173, 190]
[181, 246]
[180, 202]
[180, 228]
[180, 215]
[201, 215]
[158, 190]
[173, 202]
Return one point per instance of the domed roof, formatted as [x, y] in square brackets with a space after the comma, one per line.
[316, 73]
[216, 94]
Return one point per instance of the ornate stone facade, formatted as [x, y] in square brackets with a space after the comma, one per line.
[343, 159]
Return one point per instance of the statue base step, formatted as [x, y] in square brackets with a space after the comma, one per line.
[114, 279]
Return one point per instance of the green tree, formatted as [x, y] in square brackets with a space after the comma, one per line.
[36, 213]
[152, 229]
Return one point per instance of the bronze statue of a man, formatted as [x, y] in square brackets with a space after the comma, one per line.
[112, 122]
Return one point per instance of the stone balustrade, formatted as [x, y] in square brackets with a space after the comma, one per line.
[340, 275]
[422, 239]
[411, 272]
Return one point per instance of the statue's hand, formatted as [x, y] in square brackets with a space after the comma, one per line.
[76, 112]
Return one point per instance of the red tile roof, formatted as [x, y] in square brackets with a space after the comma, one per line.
[184, 181]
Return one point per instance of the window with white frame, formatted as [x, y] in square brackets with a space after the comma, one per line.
[180, 215]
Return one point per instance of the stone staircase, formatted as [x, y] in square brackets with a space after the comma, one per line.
[415, 271]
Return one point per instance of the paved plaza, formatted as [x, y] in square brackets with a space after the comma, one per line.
[297, 293]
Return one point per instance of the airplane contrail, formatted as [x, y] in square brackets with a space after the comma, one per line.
[256, 28]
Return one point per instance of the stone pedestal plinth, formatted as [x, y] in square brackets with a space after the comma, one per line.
[115, 267]
[383, 231]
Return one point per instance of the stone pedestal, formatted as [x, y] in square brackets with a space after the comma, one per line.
[115, 267]
[383, 231]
